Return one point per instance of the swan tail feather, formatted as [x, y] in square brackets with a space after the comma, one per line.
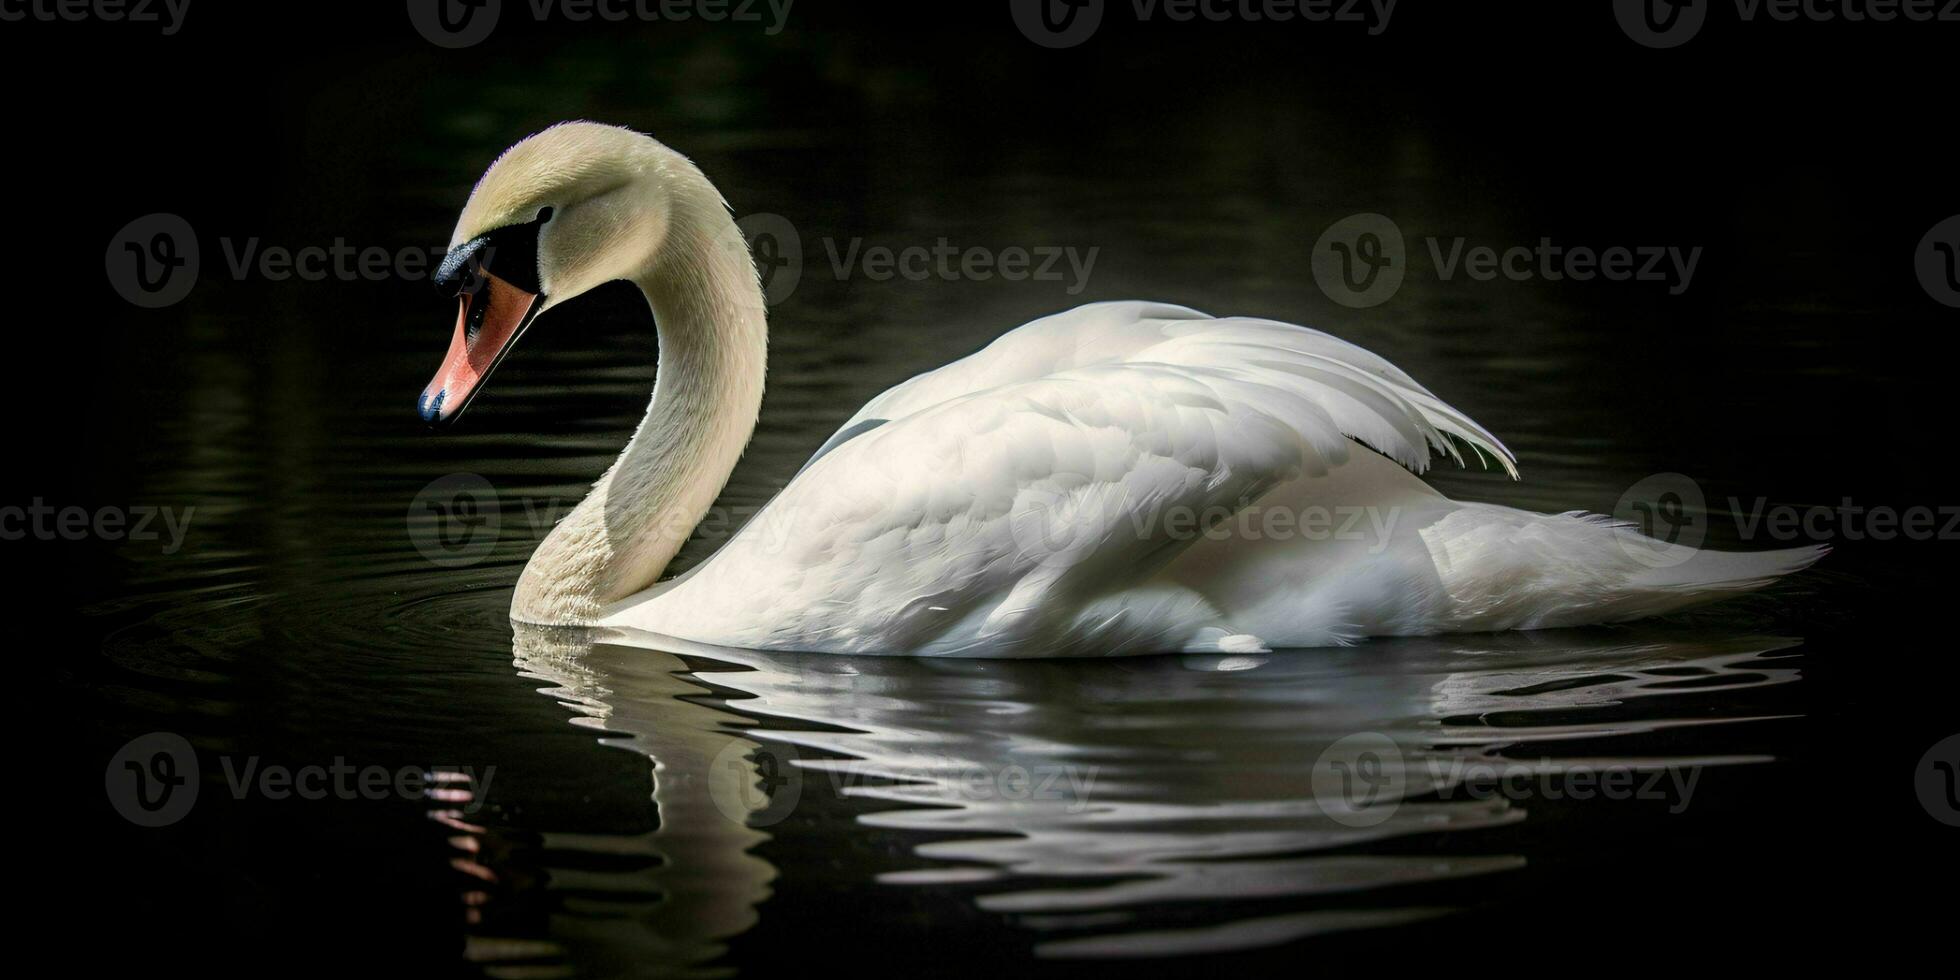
[1712, 574]
[1509, 569]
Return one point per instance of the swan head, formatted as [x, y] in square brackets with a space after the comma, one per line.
[562, 212]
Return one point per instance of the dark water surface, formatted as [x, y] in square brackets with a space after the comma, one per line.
[689, 811]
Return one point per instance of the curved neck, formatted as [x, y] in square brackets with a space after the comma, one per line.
[710, 314]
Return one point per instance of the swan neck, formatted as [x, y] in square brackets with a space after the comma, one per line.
[713, 349]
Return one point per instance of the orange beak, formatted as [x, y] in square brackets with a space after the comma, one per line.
[489, 319]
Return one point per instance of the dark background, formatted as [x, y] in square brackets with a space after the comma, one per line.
[1807, 158]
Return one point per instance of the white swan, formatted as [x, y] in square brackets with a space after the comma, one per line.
[1050, 495]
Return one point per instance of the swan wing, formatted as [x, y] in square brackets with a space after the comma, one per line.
[1361, 388]
[984, 506]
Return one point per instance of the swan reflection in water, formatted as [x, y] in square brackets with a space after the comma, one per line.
[1081, 800]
